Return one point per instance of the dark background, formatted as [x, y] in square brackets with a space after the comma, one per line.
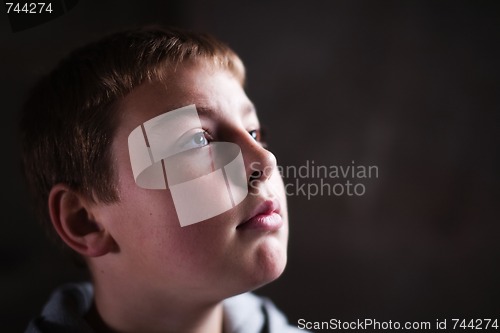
[409, 86]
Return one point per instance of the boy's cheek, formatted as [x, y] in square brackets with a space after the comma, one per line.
[140, 215]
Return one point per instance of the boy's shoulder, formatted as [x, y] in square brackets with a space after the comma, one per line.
[65, 310]
[245, 313]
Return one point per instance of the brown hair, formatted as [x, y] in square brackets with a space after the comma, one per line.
[68, 122]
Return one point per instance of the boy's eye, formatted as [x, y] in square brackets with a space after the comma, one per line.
[255, 134]
[259, 136]
[197, 140]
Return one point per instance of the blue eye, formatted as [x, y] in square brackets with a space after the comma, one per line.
[197, 140]
[255, 134]
[259, 135]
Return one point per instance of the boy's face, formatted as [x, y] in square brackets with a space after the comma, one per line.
[218, 257]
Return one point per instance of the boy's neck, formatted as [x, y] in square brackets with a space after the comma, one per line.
[132, 313]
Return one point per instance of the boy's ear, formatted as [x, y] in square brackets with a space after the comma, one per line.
[72, 217]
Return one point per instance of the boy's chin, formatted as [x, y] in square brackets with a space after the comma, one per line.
[269, 267]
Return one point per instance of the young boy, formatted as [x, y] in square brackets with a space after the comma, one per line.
[144, 154]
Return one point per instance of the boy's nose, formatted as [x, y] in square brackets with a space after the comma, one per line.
[260, 163]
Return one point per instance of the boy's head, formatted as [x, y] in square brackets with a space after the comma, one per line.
[75, 138]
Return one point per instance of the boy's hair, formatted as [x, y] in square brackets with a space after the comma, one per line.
[69, 120]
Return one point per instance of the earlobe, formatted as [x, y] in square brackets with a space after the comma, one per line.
[72, 217]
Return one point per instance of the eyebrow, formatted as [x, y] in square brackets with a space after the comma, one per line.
[204, 110]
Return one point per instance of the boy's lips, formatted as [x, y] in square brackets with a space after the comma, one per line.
[266, 217]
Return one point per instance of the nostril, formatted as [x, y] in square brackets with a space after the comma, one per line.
[257, 174]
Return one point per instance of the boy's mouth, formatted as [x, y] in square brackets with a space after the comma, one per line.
[265, 217]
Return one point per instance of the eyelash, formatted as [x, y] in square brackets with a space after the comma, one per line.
[208, 135]
[260, 136]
